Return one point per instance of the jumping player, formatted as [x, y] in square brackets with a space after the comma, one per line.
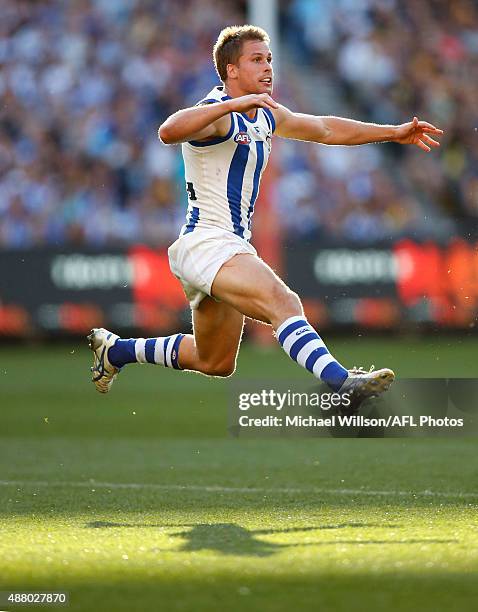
[226, 142]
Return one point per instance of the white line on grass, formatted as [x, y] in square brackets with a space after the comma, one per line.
[219, 489]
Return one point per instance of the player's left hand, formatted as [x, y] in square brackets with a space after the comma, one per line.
[418, 133]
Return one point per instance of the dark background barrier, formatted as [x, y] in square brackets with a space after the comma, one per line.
[72, 291]
[382, 286]
[388, 285]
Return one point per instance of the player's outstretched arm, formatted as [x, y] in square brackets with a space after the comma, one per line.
[339, 131]
[197, 123]
[210, 120]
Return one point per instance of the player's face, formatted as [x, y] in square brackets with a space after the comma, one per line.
[254, 69]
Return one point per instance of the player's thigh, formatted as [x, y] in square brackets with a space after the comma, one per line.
[250, 286]
[217, 330]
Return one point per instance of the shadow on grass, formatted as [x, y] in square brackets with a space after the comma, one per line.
[230, 539]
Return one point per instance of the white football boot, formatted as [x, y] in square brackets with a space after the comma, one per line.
[104, 373]
[361, 385]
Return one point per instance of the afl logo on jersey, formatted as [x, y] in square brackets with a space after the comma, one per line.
[242, 138]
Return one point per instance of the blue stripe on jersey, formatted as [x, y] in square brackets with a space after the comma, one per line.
[193, 220]
[271, 121]
[213, 141]
[235, 179]
[257, 176]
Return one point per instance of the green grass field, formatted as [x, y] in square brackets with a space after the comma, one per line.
[139, 500]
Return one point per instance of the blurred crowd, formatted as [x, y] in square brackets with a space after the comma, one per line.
[385, 61]
[85, 84]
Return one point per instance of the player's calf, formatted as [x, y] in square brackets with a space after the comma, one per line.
[161, 351]
[112, 353]
[222, 369]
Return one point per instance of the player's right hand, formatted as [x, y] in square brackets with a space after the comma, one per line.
[247, 103]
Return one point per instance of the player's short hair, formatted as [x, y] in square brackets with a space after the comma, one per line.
[228, 47]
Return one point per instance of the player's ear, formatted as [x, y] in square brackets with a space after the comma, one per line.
[231, 71]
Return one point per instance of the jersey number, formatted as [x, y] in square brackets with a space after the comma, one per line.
[191, 192]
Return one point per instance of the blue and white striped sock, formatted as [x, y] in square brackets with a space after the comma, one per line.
[164, 351]
[304, 345]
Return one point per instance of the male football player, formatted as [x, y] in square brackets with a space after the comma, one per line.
[226, 142]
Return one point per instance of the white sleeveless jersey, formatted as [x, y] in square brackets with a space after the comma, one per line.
[223, 174]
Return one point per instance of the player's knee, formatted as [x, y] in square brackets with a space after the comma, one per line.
[283, 304]
[292, 301]
[224, 368]
[285, 300]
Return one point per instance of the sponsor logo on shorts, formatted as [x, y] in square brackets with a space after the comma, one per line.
[242, 138]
